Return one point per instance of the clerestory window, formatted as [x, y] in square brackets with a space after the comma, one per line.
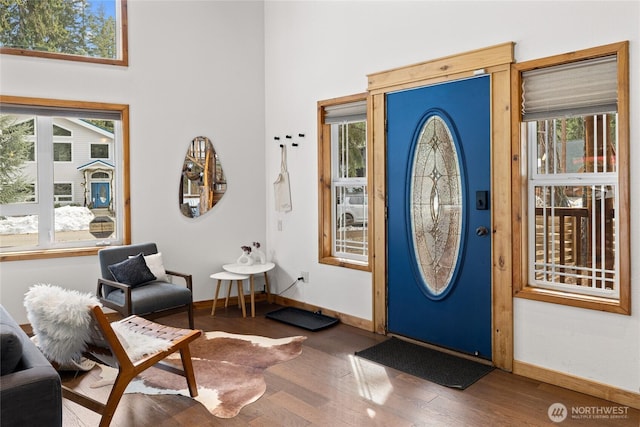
[76, 30]
[574, 134]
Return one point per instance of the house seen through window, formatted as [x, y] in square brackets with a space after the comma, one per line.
[62, 179]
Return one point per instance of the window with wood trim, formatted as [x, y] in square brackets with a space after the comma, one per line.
[573, 128]
[76, 30]
[344, 182]
[56, 197]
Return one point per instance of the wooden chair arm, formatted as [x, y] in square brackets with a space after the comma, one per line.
[188, 278]
[122, 286]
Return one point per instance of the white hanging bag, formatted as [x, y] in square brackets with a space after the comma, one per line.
[281, 187]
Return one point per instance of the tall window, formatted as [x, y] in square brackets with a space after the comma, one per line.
[77, 30]
[574, 127]
[56, 198]
[344, 185]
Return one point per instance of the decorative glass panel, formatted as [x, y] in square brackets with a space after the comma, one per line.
[436, 205]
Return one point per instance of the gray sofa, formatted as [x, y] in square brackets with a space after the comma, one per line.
[30, 388]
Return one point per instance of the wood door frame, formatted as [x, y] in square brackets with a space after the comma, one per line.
[495, 61]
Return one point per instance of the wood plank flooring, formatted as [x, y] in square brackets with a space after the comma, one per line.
[328, 386]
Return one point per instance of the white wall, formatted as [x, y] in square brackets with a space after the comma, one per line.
[320, 50]
[242, 73]
[195, 68]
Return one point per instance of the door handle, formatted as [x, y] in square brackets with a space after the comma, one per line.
[482, 231]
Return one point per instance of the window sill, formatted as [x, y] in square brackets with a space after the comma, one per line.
[49, 253]
[346, 263]
[620, 306]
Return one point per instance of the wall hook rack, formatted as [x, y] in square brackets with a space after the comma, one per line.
[300, 135]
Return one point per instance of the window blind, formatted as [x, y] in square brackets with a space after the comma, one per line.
[578, 88]
[351, 112]
[60, 112]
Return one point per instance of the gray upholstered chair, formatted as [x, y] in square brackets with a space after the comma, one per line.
[127, 287]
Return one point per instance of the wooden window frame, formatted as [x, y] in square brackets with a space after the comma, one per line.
[124, 47]
[522, 287]
[325, 222]
[123, 110]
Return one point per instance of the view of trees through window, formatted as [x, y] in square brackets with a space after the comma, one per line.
[574, 182]
[75, 27]
[350, 190]
[15, 150]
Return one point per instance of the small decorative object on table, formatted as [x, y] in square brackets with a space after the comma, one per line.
[245, 258]
[258, 255]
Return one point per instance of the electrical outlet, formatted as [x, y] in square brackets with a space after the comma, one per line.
[305, 276]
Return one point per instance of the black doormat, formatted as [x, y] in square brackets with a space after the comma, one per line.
[302, 318]
[429, 364]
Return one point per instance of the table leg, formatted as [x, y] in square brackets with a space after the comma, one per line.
[253, 300]
[241, 297]
[266, 287]
[215, 298]
[226, 301]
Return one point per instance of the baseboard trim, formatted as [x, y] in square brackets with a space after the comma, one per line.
[344, 318]
[582, 385]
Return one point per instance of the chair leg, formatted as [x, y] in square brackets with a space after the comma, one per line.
[215, 298]
[190, 314]
[117, 391]
[187, 366]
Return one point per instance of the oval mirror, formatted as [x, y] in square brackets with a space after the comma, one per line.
[202, 182]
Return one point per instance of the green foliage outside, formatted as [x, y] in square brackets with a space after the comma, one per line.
[107, 125]
[352, 143]
[14, 152]
[58, 26]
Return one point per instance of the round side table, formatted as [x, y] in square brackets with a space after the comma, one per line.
[251, 270]
[225, 275]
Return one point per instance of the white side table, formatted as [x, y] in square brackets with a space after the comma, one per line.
[250, 270]
[225, 275]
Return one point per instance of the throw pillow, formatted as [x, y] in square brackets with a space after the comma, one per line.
[132, 271]
[155, 264]
[11, 347]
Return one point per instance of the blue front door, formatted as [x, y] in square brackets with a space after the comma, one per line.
[438, 228]
[100, 194]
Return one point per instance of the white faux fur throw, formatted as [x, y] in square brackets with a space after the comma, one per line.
[60, 318]
[136, 344]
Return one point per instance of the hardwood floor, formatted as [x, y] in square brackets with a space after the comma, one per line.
[328, 386]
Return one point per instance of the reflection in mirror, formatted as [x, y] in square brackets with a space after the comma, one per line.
[202, 182]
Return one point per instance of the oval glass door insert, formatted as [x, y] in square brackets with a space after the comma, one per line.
[436, 205]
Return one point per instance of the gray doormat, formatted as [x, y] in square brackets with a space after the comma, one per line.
[432, 365]
[302, 318]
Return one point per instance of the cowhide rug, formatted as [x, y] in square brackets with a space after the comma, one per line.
[228, 368]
